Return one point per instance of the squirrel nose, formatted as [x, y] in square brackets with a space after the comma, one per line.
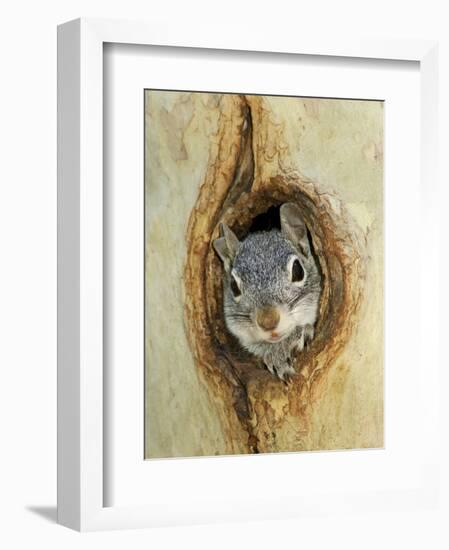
[268, 318]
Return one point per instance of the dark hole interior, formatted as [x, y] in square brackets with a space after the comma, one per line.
[267, 220]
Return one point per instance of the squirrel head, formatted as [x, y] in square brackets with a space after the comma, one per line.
[271, 282]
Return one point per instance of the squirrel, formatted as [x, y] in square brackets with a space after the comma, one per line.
[271, 290]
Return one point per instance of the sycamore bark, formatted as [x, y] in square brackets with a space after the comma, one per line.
[212, 158]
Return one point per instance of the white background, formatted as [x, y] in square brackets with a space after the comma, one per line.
[28, 271]
[131, 480]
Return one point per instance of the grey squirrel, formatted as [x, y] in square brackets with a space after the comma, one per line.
[271, 290]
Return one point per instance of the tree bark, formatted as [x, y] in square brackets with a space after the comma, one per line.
[230, 158]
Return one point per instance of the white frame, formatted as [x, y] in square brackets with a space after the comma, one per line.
[80, 237]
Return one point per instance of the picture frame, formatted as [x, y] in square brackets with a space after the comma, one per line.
[82, 490]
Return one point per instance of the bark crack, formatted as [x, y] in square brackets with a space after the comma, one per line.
[233, 192]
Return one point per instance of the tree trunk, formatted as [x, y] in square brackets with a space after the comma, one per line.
[213, 158]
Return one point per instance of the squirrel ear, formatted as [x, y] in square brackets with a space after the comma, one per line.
[226, 246]
[293, 226]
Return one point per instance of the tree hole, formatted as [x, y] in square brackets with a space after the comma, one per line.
[236, 193]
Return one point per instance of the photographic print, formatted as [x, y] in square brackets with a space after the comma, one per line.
[264, 292]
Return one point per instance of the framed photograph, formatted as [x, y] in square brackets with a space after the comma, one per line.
[242, 303]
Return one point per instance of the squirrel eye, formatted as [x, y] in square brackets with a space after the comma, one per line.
[235, 287]
[297, 272]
